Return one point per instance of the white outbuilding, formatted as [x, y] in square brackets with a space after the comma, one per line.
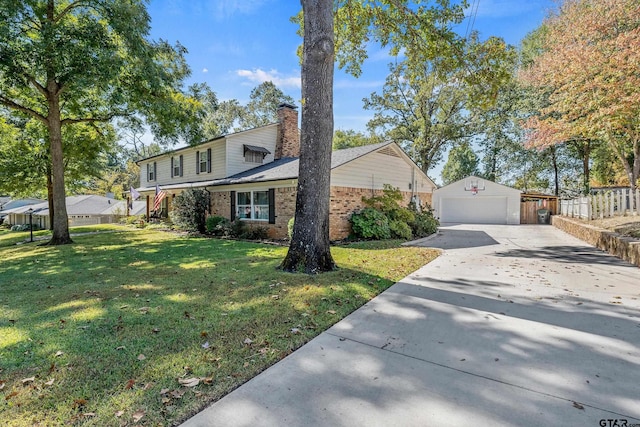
[474, 200]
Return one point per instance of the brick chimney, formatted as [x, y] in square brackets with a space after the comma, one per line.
[288, 143]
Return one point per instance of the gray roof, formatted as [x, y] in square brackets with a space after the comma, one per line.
[82, 205]
[281, 169]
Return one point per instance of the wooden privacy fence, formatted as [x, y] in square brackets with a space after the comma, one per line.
[529, 209]
[603, 205]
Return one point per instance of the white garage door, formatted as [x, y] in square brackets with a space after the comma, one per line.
[474, 210]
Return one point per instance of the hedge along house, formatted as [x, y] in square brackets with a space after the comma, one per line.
[252, 175]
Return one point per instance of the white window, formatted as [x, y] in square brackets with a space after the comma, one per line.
[252, 205]
[151, 171]
[203, 162]
[176, 166]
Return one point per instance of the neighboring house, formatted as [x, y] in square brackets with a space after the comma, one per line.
[8, 205]
[474, 200]
[253, 175]
[81, 210]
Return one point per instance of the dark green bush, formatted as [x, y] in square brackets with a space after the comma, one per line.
[370, 223]
[255, 232]
[217, 225]
[384, 218]
[190, 210]
[424, 223]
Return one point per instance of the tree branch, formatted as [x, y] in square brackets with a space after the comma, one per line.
[15, 106]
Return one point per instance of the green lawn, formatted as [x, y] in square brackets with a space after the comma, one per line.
[106, 331]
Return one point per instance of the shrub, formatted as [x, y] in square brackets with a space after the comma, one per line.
[400, 230]
[217, 225]
[255, 232]
[290, 225]
[370, 223]
[424, 223]
[190, 209]
[236, 228]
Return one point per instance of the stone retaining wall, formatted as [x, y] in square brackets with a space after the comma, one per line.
[626, 248]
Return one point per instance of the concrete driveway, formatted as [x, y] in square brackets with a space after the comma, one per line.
[512, 325]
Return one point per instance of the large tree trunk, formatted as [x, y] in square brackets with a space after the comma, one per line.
[309, 250]
[60, 219]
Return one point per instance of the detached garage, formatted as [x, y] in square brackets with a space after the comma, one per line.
[474, 200]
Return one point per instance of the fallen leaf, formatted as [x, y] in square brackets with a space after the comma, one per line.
[331, 311]
[206, 345]
[166, 400]
[79, 402]
[141, 356]
[165, 391]
[28, 380]
[144, 310]
[58, 353]
[189, 382]
[208, 380]
[295, 330]
[122, 307]
[129, 384]
[121, 347]
[89, 414]
[204, 334]
[155, 330]
[147, 386]
[248, 341]
[275, 296]
[10, 395]
[177, 394]
[50, 382]
[137, 416]
[119, 414]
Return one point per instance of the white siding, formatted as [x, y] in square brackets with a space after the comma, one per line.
[493, 203]
[376, 169]
[262, 137]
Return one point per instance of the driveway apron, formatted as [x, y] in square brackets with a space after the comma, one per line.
[511, 325]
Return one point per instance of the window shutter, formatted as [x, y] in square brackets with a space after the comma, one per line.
[148, 169]
[172, 167]
[209, 160]
[233, 205]
[272, 206]
[181, 168]
[197, 162]
[155, 171]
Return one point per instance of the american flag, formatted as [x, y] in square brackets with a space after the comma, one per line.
[157, 200]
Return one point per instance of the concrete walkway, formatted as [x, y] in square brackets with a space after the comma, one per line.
[512, 325]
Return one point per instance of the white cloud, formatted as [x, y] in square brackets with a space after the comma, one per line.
[259, 75]
[204, 70]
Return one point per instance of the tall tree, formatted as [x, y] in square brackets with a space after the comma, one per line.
[433, 105]
[350, 138]
[309, 250]
[399, 24]
[462, 162]
[66, 62]
[263, 104]
[590, 69]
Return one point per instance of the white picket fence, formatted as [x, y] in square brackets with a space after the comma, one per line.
[603, 205]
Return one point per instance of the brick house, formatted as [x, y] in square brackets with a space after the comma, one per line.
[252, 175]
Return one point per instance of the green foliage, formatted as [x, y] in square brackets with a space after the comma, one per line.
[290, 225]
[190, 209]
[217, 225]
[384, 218]
[254, 232]
[350, 138]
[424, 223]
[370, 223]
[462, 162]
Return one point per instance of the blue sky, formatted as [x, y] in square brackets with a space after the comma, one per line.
[234, 45]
